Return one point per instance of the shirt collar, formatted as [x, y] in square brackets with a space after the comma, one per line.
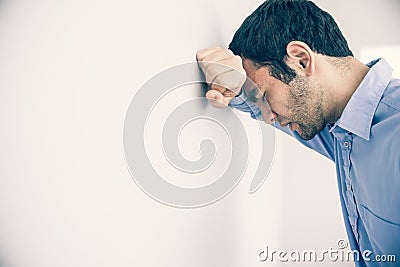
[358, 114]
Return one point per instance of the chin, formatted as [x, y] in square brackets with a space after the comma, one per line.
[309, 133]
[307, 137]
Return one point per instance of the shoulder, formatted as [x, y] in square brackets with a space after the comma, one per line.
[388, 110]
[391, 97]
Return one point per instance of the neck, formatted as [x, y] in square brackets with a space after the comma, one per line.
[345, 75]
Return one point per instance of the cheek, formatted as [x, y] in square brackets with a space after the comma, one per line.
[277, 94]
[279, 104]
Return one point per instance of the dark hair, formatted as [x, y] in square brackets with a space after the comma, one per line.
[264, 34]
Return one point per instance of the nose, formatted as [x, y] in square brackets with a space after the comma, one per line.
[268, 115]
[284, 123]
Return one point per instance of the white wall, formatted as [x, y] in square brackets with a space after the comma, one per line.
[68, 71]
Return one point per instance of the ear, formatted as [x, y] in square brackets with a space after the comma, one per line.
[300, 57]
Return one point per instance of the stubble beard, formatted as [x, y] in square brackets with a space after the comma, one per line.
[305, 104]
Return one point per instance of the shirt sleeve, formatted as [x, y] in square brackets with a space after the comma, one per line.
[321, 143]
[240, 102]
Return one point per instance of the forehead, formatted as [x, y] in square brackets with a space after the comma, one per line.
[252, 85]
[260, 76]
[250, 67]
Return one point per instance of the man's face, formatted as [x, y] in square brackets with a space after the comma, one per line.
[298, 104]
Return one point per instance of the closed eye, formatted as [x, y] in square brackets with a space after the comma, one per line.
[252, 96]
[253, 99]
[264, 97]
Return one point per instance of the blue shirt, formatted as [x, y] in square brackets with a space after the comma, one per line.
[365, 146]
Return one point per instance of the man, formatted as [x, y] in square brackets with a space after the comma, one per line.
[311, 86]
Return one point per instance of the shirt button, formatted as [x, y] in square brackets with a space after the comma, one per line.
[346, 144]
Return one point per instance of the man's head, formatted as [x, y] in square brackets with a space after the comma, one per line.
[283, 43]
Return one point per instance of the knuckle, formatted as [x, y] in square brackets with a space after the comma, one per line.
[221, 81]
[229, 52]
[238, 58]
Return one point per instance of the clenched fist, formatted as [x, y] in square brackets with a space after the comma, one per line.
[224, 74]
